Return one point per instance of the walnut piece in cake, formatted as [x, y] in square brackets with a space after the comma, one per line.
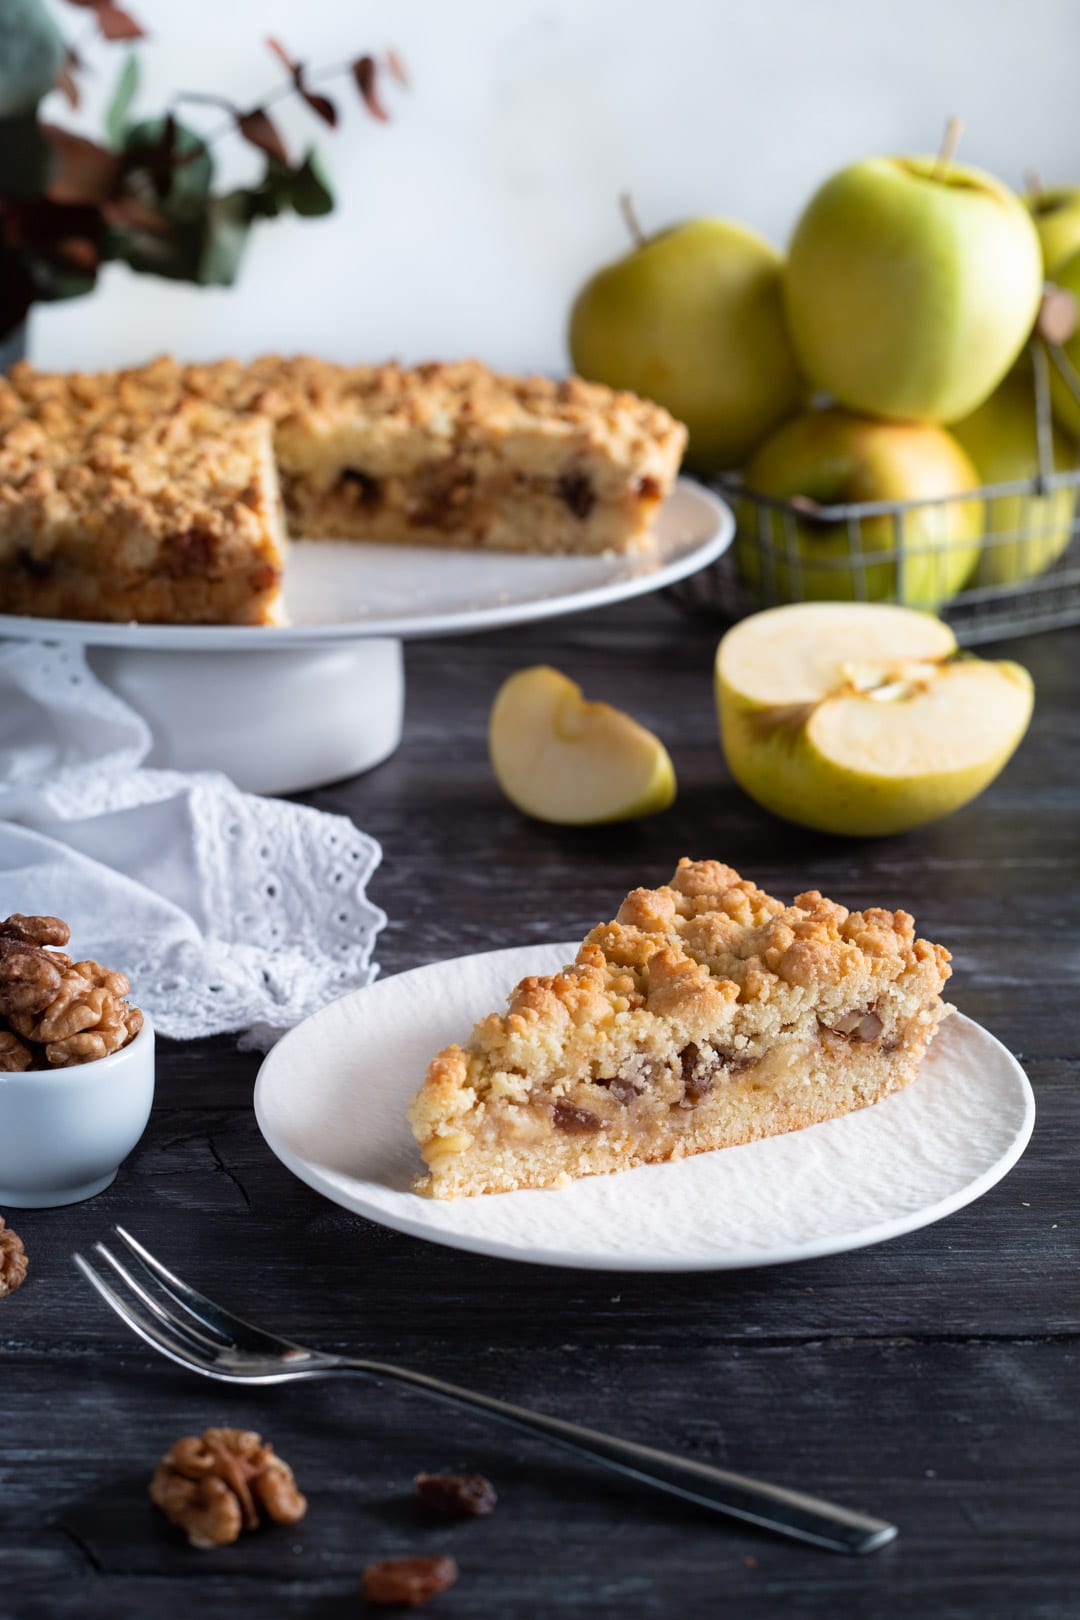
[706, 1014]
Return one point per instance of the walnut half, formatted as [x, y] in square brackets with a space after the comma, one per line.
[213, 1486]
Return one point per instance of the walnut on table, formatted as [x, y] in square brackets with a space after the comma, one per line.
[213, 1486]
[13, 1261]
[57, 1012]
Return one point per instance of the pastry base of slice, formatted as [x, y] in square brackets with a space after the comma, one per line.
[707, 1015]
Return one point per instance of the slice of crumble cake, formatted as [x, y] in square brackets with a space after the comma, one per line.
[113, 511]
[707, 1014]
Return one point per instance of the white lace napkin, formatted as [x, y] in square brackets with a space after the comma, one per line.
[227, 912]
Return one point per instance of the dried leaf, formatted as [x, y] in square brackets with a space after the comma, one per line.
[396, 68]
[321, 105]
[366, 73]
[84, 172]
[66, 82]
[257, 128]
[115, 22]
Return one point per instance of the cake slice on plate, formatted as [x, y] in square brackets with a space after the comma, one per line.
[707, 1014]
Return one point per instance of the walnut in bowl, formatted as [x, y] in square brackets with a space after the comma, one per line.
[76, 1068]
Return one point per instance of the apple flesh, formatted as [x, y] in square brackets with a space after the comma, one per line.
[1022, 533]
[858, 719]
[693, 318]
[562, 759]
[1056, 214]
[833, 457]
[911, 287]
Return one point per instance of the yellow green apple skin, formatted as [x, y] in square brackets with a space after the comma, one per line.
[562, 759]
[855, 719]
[834, 457]
[910, 290]
[1022, 534]
[694, 320]
[1066, 407]
[1056, 214]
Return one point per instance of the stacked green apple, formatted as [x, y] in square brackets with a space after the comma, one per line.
[903, 311]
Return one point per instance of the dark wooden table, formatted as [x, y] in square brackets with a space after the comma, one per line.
[934, 1379]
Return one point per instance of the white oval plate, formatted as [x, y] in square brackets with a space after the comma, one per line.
[347, 591]
[331, 1098]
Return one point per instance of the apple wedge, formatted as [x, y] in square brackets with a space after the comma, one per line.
[862, 718]
[562, 759]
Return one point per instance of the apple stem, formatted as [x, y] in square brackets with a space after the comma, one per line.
[1034, 182]
[629, 214]
[953, 131]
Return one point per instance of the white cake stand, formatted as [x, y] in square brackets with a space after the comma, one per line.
[284, 708]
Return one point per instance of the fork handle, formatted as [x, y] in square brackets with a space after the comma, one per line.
[791, 1513]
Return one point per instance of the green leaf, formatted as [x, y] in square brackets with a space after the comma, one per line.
[25, 156]
[225, 233]
[127, 86]
[31, 54]
[310, 192]
[193, 176]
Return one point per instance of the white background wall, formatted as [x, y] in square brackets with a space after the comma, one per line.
[466, 225]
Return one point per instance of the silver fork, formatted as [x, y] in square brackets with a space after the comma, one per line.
[184, 1325]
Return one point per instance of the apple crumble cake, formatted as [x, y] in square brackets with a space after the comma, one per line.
[172, 516]
[706, 1015]
[118, 486]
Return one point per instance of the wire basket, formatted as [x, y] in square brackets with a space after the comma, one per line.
[1022, 574]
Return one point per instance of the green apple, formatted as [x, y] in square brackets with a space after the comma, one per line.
[562, 759]
[693, 319]
[911, 286]
[1057, 219]
[1022, 533]
[830, 458]
[1066, 405]
[858, 718]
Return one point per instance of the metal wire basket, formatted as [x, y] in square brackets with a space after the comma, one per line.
[1021, 575]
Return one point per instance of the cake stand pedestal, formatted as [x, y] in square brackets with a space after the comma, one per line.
[279, 721]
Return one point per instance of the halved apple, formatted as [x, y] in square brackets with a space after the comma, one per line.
[862, 718]
[560, 758]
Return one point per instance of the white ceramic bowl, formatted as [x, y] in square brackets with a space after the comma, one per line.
[65, 1132]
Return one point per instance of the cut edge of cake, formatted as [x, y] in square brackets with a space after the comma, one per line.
[706, 1015]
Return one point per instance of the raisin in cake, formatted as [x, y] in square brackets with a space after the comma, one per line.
[151, 493]
[707, 1014]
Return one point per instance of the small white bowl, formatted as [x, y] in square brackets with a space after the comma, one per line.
[65, 1132]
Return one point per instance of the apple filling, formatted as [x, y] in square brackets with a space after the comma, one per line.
[456, 503]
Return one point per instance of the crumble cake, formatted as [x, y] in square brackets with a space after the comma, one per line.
[447, 455]
[172, 516]
[707, 1014]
